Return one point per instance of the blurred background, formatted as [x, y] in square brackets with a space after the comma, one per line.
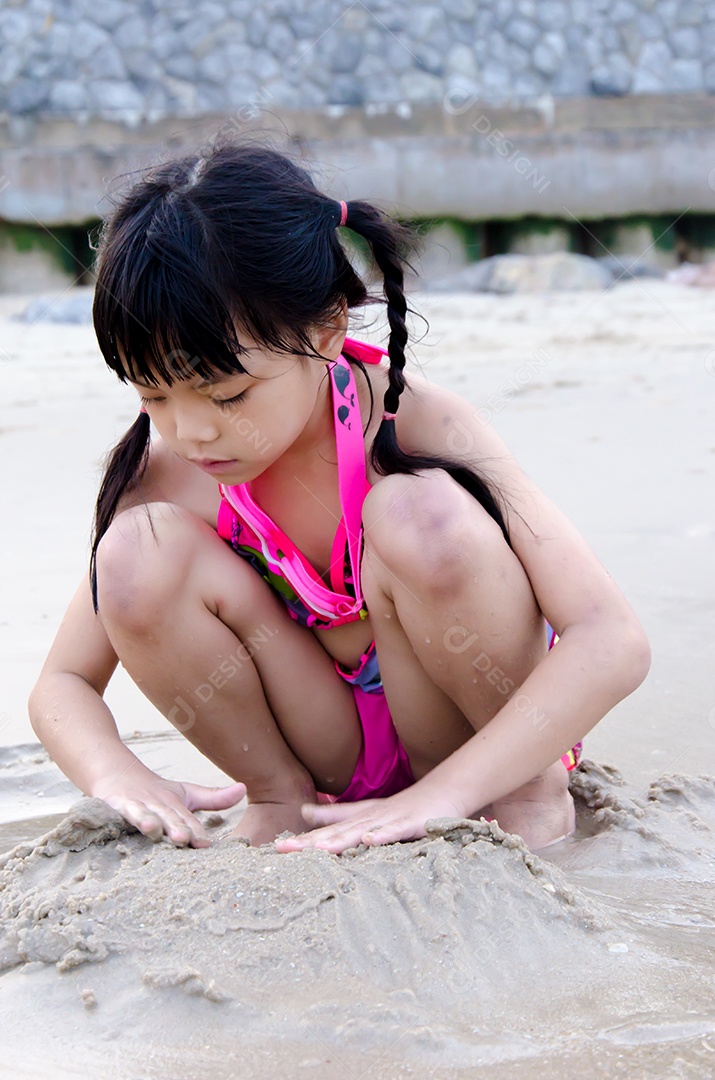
[558, 159]
[500, 125]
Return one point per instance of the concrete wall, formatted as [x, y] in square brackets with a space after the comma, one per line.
[581, 158]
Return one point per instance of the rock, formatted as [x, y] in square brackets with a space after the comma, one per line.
[15, 26]
[11, 62]
[257, 27]
[549, 53]
[623, 267]
[346, 90]
[545, 240]
[165, 44]
[687, 42]
[26, 95]
[140, 63]
[687, 75]
[571, 80]
[86, 39]
[183, 65]
[668, 11]
[553, 14]
[429, 58]
[109, 13]
[528, 274]
[623, 11]
[74, 307]
[133, 33]
[652, 68]
[118, 100]
[691, 13]
[68, 97]
[692, 274]
[459, 9]
[528, 86]
[461, 61]
[613, 78]
[420, 86]
[106, 62]
[650, 27]
[522, 31]
[498, 80]
[346, 58]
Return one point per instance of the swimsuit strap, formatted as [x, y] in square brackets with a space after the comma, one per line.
[278, 549]
[369, 354]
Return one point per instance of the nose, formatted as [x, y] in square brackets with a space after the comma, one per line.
[195, 424]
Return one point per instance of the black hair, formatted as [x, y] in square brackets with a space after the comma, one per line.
[240, 233]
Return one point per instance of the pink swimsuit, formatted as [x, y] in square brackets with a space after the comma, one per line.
[383, 767]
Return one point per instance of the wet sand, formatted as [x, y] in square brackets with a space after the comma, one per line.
[431, 958]
[434, 957]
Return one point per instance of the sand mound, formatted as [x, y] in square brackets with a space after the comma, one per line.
[463, 947]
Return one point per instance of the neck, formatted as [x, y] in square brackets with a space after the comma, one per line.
[314, 446]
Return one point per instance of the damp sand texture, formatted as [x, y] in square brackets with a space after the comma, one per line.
[430, 958]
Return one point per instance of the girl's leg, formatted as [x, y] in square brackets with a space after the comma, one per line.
[457, 630]
[213, 648]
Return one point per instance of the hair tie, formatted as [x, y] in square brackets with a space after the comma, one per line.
[389, 415]
[343, 212]
[143, 409]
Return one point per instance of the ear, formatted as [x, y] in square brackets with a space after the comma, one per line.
[329, 339]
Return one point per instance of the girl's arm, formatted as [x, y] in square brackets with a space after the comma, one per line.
[602, 654]
[72, 721]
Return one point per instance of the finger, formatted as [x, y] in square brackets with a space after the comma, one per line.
[370, 831]
[177, 823]
[391, 831]
[183, 829]
[142, 818]
[332, 838]
[331, 813]
[199, 797]
[388, 833]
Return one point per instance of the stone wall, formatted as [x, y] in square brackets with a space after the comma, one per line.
[457, 114]
[143, 60]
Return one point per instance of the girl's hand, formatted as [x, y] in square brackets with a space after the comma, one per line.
[156, 806]
[372, 822]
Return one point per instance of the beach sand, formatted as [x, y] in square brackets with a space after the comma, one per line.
[123, 958]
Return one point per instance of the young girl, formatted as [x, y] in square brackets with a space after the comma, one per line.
[299, 555]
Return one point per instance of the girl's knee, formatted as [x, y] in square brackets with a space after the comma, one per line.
[143, 561]
[423, 527]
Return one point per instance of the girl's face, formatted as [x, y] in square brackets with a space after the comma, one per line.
[236, 428]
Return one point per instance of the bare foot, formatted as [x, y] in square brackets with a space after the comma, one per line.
[542, 811]
[262, 821]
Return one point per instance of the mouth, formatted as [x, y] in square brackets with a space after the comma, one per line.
[217, 466]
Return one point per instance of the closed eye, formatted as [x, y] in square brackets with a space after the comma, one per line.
[229, 403]
[223, 403]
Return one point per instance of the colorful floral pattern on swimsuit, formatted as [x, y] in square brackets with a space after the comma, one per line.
[243, 541]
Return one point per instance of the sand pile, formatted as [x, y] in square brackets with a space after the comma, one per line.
[459, 950]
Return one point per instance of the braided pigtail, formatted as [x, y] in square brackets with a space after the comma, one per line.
[389, 243]
[123, 471]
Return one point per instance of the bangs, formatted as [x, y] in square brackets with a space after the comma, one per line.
[162, 313]
[154, 327]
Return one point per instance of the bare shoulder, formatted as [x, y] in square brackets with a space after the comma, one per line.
[432, 419]
[169, 479]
